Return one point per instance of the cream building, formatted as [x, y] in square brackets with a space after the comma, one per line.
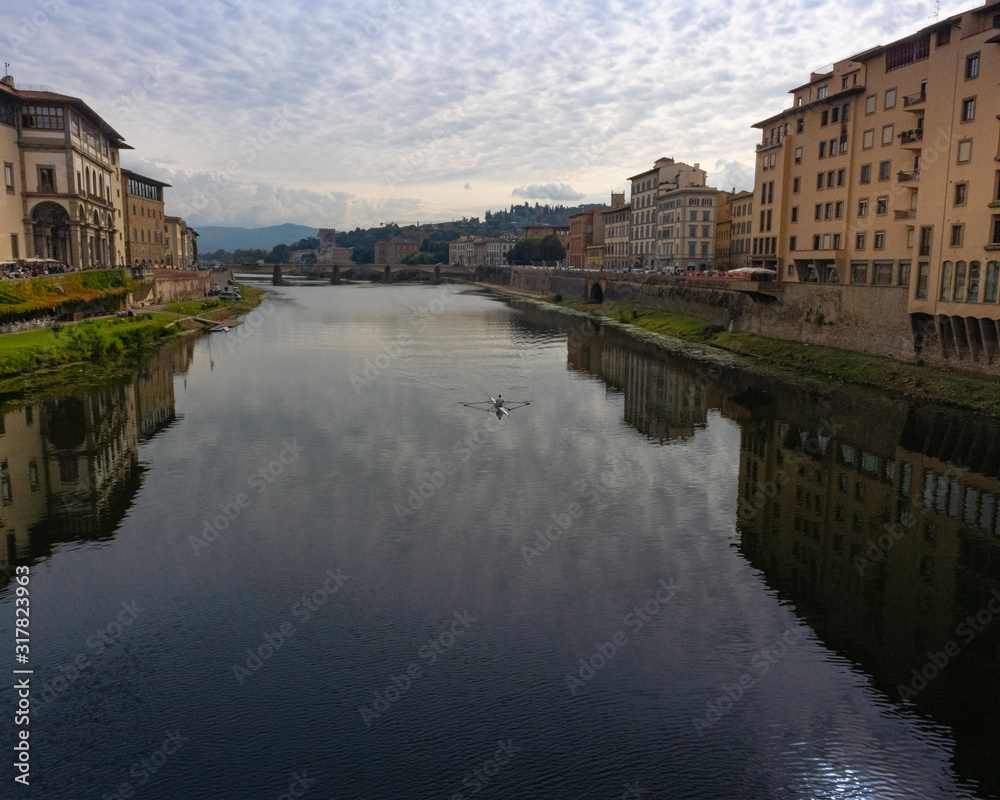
[145, 228]
[884, 174]
[616, 237]
[65, 177]
[741, 229]
[180, 240]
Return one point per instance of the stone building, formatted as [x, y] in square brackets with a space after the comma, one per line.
[741, 229]
[182, 251]
[145, 227]
[616, 236]
[62, 197]
[395, 250]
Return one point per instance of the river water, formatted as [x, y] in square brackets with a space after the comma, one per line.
[287, 561]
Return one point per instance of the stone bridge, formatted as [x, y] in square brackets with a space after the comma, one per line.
[335, 271]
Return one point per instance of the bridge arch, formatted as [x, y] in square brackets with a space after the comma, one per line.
[596, 289]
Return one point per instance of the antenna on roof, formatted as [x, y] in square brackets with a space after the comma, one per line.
[6, 69]
[937, 10]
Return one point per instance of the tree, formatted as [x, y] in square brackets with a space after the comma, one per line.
[551, 249]
[524, 252]
[280, 254]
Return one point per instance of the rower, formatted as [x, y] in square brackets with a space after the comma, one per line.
[499, 401]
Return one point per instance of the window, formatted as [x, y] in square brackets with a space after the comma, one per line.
[866, 173]
[822, 92]
[822, 149]
[838, 210]
[884, 169]
[819, 180]
[692, 231]
[46, 179]
[693, 216]
[890, 98]
[843, 143]
[868, 139]
[904, 274]
[799, 125]
[859, 241]
[836, 241]
[798, 155]
[960, 281]
[926, 237]
[845, 111]
[826, 241]
[819, 211]
[796, 182]
[972, 296]
[870, 104]
[972, 66]
[956, 235]
[829, 179]
[863, 207]
[791, 243]
[964, 151]
[992, 281]
[879, 241]
[882, 205]
[841, 176]
[887, 134]
[795, 213]
[961, 193]
[43, 118]
[883, 273]
[946, 280]
[923, 278]
[8, 177]
[859, 272]
[968, 109]
[770, 192]
[824, 118]
[15, 251]
[705, 234]
[828, 211]
[692, 249]
[706, 216]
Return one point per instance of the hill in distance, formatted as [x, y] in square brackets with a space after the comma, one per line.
[213, 237]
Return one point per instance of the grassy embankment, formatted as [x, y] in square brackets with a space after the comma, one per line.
[36, 358]
[89, 292]
[822, 362]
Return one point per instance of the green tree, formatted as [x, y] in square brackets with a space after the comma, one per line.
[280, 254]
[551, 249]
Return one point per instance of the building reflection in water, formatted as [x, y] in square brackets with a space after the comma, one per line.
[69, 463]
[878, 523]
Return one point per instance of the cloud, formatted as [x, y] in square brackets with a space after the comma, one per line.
[548, 191]
[337, 108]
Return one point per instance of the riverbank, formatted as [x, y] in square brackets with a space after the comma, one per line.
[701, 338]
[100, 348]
[97, 291]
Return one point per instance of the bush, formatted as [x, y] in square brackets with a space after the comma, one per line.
[557, 299]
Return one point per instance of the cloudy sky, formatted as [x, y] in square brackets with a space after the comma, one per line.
[342, 114]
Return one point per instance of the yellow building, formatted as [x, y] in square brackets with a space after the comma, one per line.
[741, 229]
[61, 198]
[145, 228]
[883, 174]
[595, 257]
[616, 237]
[180, 240]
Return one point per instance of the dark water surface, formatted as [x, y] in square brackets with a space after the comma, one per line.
[286, 559]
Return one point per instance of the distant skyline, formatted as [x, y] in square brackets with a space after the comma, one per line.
[340, 115]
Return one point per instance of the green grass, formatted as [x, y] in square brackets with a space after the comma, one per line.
[97, 290]
[679, 326]
[97, 341]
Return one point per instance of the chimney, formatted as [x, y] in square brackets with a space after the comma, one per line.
[7, 80]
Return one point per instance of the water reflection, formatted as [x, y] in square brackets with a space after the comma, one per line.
[69, 463]
[878, 522]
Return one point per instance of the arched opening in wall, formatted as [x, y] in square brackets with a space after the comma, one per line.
[51, 225]
[596, 293]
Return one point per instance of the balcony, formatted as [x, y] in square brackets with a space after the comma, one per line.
[909, 176]
[908, 214]
[911, 138]
[912, 100]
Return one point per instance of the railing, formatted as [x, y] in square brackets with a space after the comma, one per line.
[909, 175]
[914, 99]
[911, 137]
[908, 214]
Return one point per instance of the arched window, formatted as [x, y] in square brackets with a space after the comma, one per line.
[960, 268]
[972, 296]
[947, 274]
[992, 280]
[87, 170]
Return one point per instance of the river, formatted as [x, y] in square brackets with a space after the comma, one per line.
[287, 561]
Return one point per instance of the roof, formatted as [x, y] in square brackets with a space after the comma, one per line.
[828, 100]
[76, 102]
[146, 178]
[643, 174]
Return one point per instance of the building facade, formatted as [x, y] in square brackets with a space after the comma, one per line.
[616, 237]
[642, 219]
[741, 229]
[61, 199]
[883, 174]
[581, 236]
[723, 231]
[182, 248]
[145, 224]
[394, 250]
